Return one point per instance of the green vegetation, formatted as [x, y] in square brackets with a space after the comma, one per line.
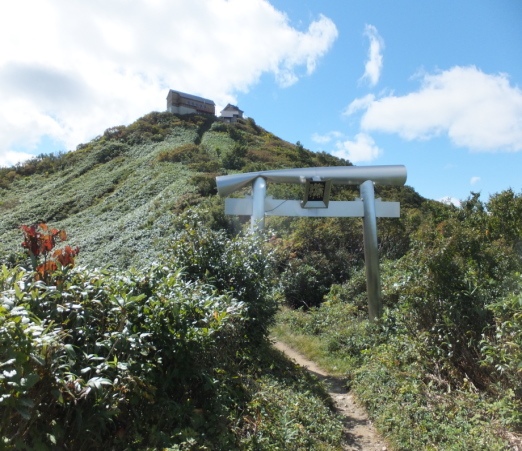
[117, 194]
[158, 336]
[441, 370]
[166, 357]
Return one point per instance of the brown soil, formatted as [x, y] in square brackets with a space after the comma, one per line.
[359, 433]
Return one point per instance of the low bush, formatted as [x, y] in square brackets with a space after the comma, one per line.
[110, 151]
[501, 348]
[416, 408]
[182, 154]
[279, 416]
[112, 358]
[240, 265]
[166, 357]
[235, 158]
[148, 359]
[205, 184]
[303, 285]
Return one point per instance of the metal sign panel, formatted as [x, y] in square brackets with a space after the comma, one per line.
[317, 194]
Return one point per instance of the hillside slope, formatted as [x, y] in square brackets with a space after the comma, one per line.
[117, 195]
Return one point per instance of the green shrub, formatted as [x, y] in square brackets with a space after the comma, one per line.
[182, 154]
[501, 348]
[219, 127]
[280, 417]
[107, 356]
[302, 285]
[240, 265]
[414, 408]
[205, 184]
[110, 150]
[235, 158]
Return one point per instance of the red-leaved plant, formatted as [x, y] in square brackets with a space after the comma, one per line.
[40, 242]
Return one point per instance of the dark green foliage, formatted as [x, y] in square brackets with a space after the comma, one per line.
[212, 211]
[42, 164]
[501, 348]
[304, 156]
[455, 270]
[415, 408]
[111, 359]
[441, 370]
[505, 222]
[195, 157]
[253, 127]
[303, 285]
[236, 265]
[299, 420]
[318, 253]
[110, 150]
[326, 159]
[182, 154]
[156, 126]
[235, 159]
[219, 127]
[235, 133]
[205, 184]
[158, 359]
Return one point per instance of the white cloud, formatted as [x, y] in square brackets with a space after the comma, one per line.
[324, 139]
[450, 201]
[476, 110]
[70, 68]
[474, 180]
[10, 158]
[362, 149]
[373, 66]
[362, 103]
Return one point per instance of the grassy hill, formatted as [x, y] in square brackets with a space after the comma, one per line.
[117, 195]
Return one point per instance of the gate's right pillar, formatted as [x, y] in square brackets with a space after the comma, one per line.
[371, 254]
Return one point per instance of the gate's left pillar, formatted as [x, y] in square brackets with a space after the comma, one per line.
[257, 222]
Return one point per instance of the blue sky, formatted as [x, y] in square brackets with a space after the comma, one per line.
[436, 86]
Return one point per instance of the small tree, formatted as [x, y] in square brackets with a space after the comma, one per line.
[40, 242]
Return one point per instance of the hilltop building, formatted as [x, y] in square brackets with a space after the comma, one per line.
[182, 103]
[231, 113]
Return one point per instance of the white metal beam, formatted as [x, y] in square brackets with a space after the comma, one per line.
[336, 209]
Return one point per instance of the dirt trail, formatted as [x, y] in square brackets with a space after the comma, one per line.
[359, 433]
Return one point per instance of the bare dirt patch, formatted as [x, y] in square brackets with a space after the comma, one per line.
[359, 433]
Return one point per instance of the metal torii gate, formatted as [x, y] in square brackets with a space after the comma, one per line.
[317, 204]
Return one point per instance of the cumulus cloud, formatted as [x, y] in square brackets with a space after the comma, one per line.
[448, 200]
[10, 158]
[326, 138]
[373, 66]
[361, 149]
[474, 180]
[359, 104]
[479, 111]
[70, 68]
